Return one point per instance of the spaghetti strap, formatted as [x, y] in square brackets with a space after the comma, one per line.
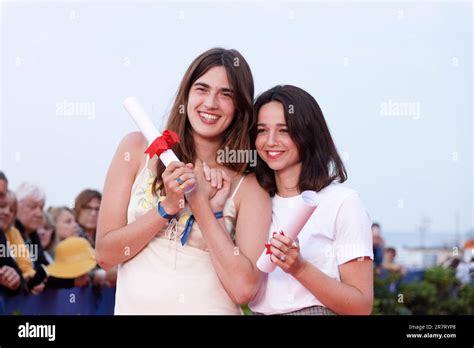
[146, 161]
[237, 187]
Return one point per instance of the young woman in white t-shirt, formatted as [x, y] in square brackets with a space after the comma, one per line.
[328, 269]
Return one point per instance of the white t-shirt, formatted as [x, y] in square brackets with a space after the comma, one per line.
[338, 231]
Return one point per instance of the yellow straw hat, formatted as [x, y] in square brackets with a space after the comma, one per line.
[74, 257]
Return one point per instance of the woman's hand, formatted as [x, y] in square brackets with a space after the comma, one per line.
[286, 254]
[203, 191]
[38, 289]
[177, 178]
[9, 277]
[220, 181]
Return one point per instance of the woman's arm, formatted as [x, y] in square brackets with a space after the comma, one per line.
[354, 293]
[117, 242]
[236, 267]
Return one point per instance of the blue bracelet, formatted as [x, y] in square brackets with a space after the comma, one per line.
[163, 212]
[189, 224]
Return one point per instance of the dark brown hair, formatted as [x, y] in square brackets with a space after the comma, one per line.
[236, 136]
[3, 177]
[83, 199]
[321, 164]
[391, 250]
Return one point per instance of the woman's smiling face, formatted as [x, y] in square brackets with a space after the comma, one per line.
[66, 225]
[273, 142]
[211, 106]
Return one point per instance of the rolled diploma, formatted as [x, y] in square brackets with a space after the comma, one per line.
[148, 129]
[301, 211]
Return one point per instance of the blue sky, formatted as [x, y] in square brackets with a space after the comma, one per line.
[394, 81]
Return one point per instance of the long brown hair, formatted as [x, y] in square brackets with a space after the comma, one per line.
[83, 198]
[236, 136]
[321, 163]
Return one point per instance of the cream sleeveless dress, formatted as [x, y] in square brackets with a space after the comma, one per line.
[166, 277]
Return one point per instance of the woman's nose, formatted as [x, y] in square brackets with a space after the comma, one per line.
[272, 139]
[211, 101]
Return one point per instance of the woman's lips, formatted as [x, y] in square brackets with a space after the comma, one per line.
[274, 154]
[208, 118]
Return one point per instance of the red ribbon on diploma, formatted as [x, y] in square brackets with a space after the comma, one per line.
[269, 251]
[164, 142]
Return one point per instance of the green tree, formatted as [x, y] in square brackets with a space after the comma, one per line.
[439, 293]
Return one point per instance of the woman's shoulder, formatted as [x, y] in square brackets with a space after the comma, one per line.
[251, 190]
[337, 191]
[345, 203]
[250, 183]
[132, 147]
[134, 141]
[336, 197]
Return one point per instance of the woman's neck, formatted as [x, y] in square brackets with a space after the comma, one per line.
[206, 149]
[287, 181]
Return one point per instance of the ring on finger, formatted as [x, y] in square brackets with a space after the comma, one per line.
[294, 245]
[283, 258]
[179, 180]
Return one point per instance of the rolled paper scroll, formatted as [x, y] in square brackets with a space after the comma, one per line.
[300, 210]
[159, 142]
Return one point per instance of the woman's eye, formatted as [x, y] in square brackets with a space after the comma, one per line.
[284, 130]
[260, 131]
